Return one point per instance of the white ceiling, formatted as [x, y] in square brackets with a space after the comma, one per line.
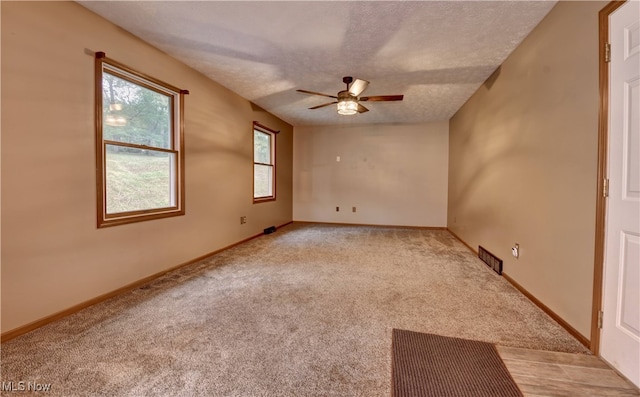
[436, 53]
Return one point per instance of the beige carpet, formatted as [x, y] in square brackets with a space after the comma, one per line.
[306, 311]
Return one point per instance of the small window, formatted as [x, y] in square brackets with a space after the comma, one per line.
[139, 142]
[264, 163]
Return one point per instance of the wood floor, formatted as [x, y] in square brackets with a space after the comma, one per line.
[551, 374]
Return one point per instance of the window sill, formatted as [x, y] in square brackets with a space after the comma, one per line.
[115, 221]
[263, 200]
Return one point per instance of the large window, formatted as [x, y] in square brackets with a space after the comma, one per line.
[264, 163]
[139, 143]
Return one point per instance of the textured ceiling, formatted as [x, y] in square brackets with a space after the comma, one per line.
[436, 53]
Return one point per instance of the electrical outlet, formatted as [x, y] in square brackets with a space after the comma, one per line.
[515, 250]
[243, 220]
[337, 209]
[353, 209]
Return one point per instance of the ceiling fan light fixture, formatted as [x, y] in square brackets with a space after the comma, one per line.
[347, 107]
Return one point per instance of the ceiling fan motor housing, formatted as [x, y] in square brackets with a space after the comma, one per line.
[346, 96]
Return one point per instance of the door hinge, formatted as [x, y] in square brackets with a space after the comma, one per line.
[607, 52]
[605, 187]
[600, 315]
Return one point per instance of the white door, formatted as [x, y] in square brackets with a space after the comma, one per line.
[620, 338]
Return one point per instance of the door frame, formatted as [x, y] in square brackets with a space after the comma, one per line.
[603, 147]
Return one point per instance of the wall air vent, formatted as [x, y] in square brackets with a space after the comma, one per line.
[491, 260]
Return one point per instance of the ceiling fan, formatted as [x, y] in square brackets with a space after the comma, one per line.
[349, 100]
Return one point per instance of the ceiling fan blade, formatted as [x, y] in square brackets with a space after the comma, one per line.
[380, 98]
[317, 93]
[358, 86]
[323, 105]
[362, 109]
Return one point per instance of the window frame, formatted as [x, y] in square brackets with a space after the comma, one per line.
[176, 95]
[272, 134]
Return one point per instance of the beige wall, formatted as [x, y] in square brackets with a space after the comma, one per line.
[522, 165]
[392, 174]
[53, 256]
